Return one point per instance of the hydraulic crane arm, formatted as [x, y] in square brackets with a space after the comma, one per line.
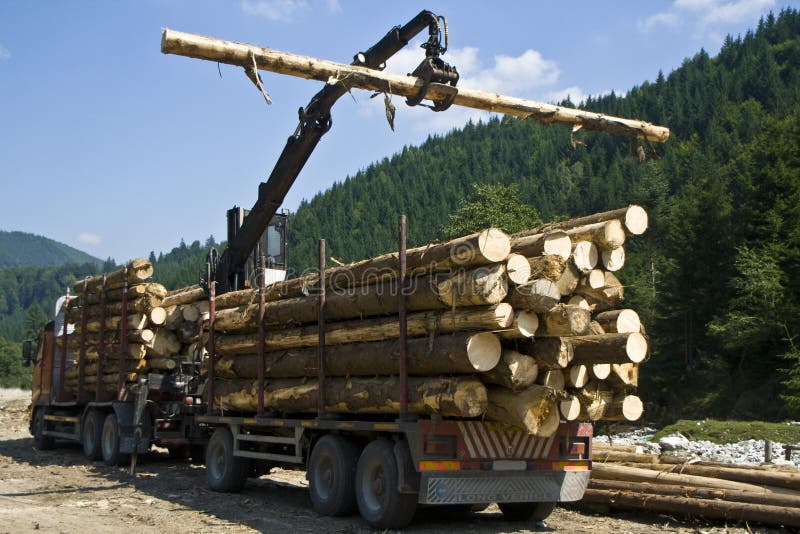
[314, 122]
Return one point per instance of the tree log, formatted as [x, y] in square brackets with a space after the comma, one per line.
[525, 325]
[244, 55]
[164, 343]
[552, 378]
[706, 508]
[609, 296]
[585, 256]
[776, 479]
[624, 408]
[136, 321]
[494, 317]
[569, 280]
[619, 321]
[514, 371]
[539, 296]
[595, 399]
[139, 270]
[462, 353]
[143, 304]
[135, 351]
[477, 287]
[634, 218]
[191, 313]
[577, 376]
[163, 364]
[533, 410]
[448, 397]
[641, 474]
[184, 295]
[550, 267]
[609, 348]
[570, 408]
[552, 243]
[613, 260]
[518, 269]
[134, 336]
[607, 235]
[550, 352]
[187, 332]
[577, 300]
[174, 317]
[623, 375]
[594, 279]
[600, 371]
[564, 320]
[135, 291]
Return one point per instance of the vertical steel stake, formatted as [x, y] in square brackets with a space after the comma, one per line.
[401, 311]
[321, 332]
[82, 355]
[261, 363]
[123, 337]
[212, 288]
[63, 358]
[101, 345]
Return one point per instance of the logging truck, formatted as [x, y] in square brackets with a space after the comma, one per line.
[380, 437]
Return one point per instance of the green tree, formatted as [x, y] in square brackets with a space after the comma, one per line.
[491, 205]
[35, 319]
[12, 373]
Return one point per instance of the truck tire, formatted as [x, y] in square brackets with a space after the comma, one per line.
[224, 471]
[42, 442]
[110, 442]
[332, 476]
[525, 511]
[379, 500]
[91, 433]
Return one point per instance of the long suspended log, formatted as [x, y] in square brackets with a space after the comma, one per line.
[564, 320]
[135, 291]
[634, 218]
[609, 348]
[475, 318]
[462, 353]
[448, 397]
[607, 235]
[788, 501]
[623, 321]
[624, 408]
[641, 474]
[595, 399]
[184, 295]
[706, 508]
[514, 371]
[244, 55]
[533, 410]
[139, 270]
[777, 479]
[539, 296]
[554, 243]
[549, 352]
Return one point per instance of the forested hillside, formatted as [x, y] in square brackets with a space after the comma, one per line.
[20, 248]
[717, 274]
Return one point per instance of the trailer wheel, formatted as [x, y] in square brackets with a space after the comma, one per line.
[332, 476]
[91, 434]
[379, 500]
[224, 471]
[42, 442]
[524, 511]
[110, 442]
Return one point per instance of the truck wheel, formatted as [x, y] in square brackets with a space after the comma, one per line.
[379, 501]
[91, 432]
[110, 442]
[332, 476]
[524, 511]
[42, 442]
[224, 471]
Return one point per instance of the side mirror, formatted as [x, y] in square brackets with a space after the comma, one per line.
[27, 352]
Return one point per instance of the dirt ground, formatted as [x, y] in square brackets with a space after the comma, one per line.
[61, 491]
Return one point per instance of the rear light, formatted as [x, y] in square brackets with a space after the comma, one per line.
[188, 401]
[574, 447]
[439, 465]
[570, 466]
[440, 447]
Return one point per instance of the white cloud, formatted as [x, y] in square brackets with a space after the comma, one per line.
[334, 6]
[4, 53]
[89, 239]
[732, 12]
[575, 94]
[704, 15]
[659, 19]
[278, 10]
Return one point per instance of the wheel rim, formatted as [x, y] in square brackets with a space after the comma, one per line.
[374, 488]
[109, 437]
[325, 477]
[217, 463]
[89, 431]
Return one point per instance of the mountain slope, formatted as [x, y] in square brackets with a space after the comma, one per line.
[20, 248]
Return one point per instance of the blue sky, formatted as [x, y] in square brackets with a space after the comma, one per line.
[109, 146]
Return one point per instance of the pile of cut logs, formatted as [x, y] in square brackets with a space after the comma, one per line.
[161, 328]
[625, 479]
[524, 329]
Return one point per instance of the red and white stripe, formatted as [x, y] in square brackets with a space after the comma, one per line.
[483, 442]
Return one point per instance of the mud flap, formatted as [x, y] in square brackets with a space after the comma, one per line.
[124, 412]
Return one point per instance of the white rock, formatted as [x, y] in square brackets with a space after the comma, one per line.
[676, 441]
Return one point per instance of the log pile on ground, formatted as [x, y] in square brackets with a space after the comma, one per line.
[525, 330]
[625, 480]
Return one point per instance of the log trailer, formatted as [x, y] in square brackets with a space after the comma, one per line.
[381, 466]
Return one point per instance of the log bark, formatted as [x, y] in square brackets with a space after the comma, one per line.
[525, 325]
[613, 260]
[633, 217]
[518, 269]
[788, 501]
[776, 479]
[475, 318]
[143, 304]
[448, 397]
[164, 343]
[476, 287]
[533, 410]
[514, 371]
[609, 348]
[624, 408]
[552, 378]
[623, 321]
[184, 295]
[641, 474]
[135, 351]
[162, 364]
[135, 291]
[139, 270]
[555, 243]
[585, 256]
[569, 280]
[624, 375]
[539, 296]
[134, 336]
[244, 55]
[462, 353]
[564, 320]
[709, 509]
[607, 235]
[136, 321]
[550, 353]
[595, 399]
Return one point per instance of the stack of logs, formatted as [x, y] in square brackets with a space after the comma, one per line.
[525, 330]
[162, 328]
[625, 479]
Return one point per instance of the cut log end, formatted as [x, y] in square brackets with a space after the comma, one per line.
[625, 408]
[585, 256]
[636, 347]
[636, 220]
[518, 269]
[494, 245]
[557, 244]
[484, 351]
[601, 371]
[570, 408]
[527, 322]
[614, 260]
[578, 376]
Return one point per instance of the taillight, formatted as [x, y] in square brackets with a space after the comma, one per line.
[574, 447]
[440, 447]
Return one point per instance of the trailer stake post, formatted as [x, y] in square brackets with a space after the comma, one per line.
[63, 357]
[401, 310]
[321, 332]
[101, 344]
[212, 287]
[261, 364]
[123, 337]
[82, 355]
